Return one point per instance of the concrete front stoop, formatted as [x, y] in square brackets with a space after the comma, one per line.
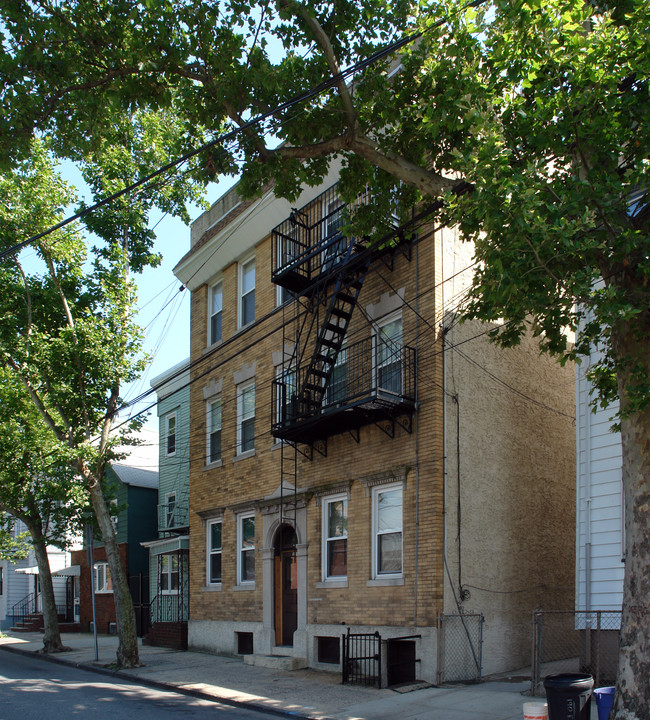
[276, 662]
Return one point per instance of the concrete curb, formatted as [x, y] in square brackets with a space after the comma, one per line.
[157, 685]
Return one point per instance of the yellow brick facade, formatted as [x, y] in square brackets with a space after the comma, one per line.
[411, 285]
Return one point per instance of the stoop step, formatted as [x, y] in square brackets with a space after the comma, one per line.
[276, 662]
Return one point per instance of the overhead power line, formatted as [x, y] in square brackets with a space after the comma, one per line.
[232, 134]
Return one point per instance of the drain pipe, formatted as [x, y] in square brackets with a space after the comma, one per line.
[417, 435]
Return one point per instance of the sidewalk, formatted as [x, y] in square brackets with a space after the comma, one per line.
[299, 693]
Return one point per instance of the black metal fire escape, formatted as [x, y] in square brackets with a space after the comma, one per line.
[325, 271]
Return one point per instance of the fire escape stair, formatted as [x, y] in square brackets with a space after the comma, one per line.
[331, 334]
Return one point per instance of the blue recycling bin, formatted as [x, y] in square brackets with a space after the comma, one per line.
[604, 701]
[569, 696]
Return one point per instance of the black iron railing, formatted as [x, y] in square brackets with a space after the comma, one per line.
[172, 607]
[173, 516]
[364, 375]
[309, 242]
[361, 658]
[29, 606]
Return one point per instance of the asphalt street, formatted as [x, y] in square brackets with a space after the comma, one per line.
[34, 689]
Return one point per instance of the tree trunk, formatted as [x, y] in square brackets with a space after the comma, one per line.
[127, 650]
[51, 636]
[633, 681]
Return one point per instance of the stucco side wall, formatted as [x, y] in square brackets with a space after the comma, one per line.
[510, 501]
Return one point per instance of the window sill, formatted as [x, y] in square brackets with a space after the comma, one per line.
[332, 584]
[385, 582]
[212, 588]
[103, 592]
[212, 465]
[212, 347]
[244, 586]
[169, 592]
[244, 455]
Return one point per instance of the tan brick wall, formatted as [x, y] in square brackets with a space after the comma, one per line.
[253, 478]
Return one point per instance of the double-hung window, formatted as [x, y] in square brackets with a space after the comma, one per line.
[335, 537]
[334, 244]
[216, 312]
[103, 583]
[170, 434]
[287, 388]
[245, 417]
[247, 292]
[169, 574]
[246, 548]
[387, 530]
[388, 358]
[170, 510]
[214, 430]
[214, 552]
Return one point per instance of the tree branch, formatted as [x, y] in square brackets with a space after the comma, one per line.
[28, 301]
[323, 40]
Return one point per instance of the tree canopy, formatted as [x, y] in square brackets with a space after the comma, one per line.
[529, 118]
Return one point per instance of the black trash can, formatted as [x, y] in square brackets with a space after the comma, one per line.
[569, 696]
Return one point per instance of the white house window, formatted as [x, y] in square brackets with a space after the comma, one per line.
[114, 514]
[170, 434]
[287, 388]
[103, 582]
[334, 244]
[388, 348]
[387, 530]
[335, 537]
[216, 312]
[214, 552]
[336, 391]
[245, 417]
[247, 292]
[169, 574]
[246, 548]
[214, 430]
[170, 508]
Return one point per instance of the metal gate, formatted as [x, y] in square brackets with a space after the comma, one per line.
[139, 587]
[362, 658]
[460, 648]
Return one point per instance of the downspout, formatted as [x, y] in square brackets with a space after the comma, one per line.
[417, 434]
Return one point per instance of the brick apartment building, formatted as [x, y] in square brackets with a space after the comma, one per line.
[358, 459]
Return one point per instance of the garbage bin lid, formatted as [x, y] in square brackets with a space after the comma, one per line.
[568, 680]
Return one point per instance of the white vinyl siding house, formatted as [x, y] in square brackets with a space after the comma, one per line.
[599, 511]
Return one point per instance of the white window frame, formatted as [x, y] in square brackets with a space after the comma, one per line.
[169, 573]
[115, 519]
[106, 586]
[168, 418]
[376, 330]
[242, 388]
[216, 288]
[326, 502]
[209, 430]
[241, 549]
[210, 552]
[170, 497]
[284, 375]
[240, 291]
[376, 492]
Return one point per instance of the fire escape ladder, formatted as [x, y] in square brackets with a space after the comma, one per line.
[331, 334]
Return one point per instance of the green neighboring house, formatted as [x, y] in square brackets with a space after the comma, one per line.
[134, 490]
[169, 551]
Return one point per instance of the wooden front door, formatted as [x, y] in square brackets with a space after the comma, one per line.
[286, 593]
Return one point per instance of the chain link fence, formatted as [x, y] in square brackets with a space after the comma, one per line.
[460, 648]
[585, 641]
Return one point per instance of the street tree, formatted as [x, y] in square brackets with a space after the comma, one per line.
[529, 119]
[67, 330]
[39, 488]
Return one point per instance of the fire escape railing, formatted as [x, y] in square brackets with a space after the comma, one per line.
[361, 377]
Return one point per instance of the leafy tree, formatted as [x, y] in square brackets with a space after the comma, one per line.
[67, 334]
[529, 118]
[38, 489]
